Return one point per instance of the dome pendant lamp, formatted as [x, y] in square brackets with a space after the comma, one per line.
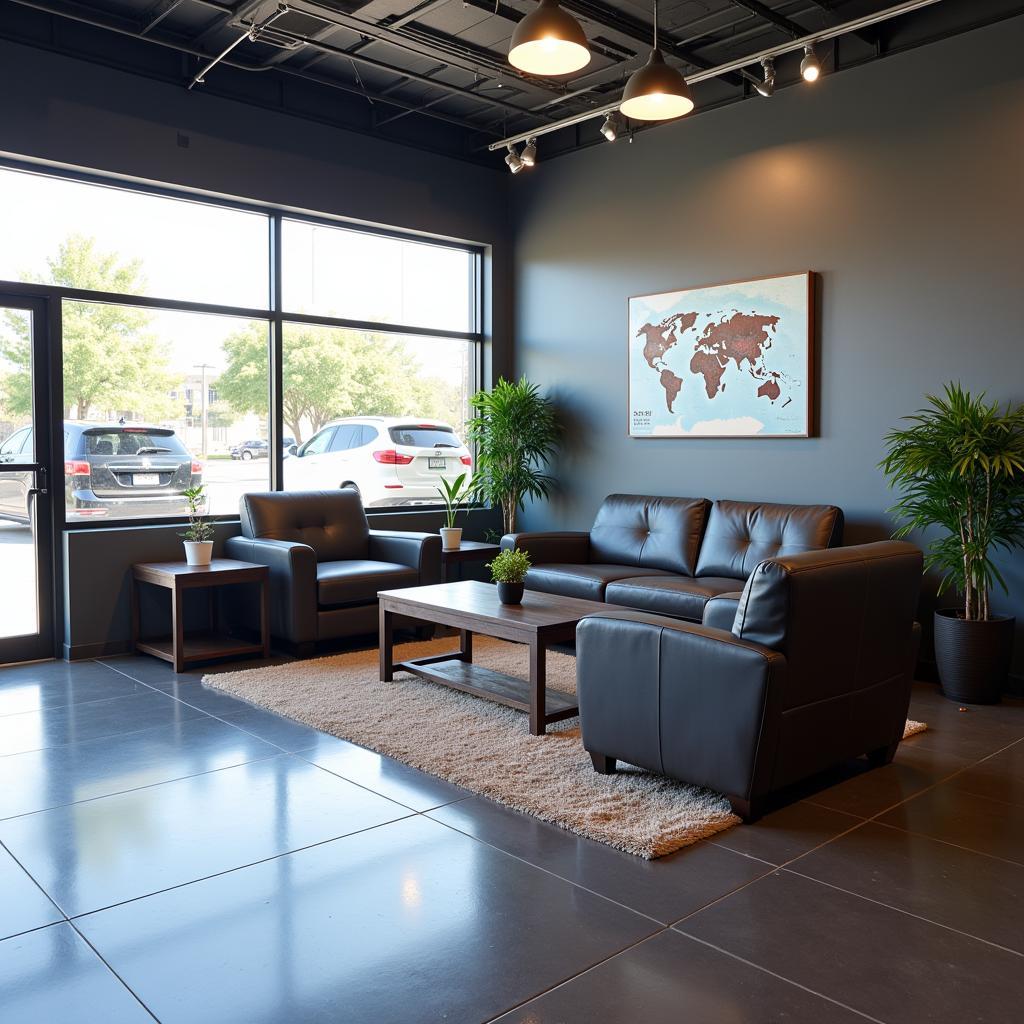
[549, 42]
[656, 92]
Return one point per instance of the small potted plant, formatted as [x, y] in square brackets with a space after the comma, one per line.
[199, 535]
[453, 493]
[508, 570]
[960, 467]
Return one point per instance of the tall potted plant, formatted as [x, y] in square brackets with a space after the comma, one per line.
[515, 432]
[960, 466]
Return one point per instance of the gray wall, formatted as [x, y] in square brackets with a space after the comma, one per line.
[901, 184]
[91, 117]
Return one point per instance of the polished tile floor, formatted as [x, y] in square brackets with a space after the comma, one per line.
[175, 854]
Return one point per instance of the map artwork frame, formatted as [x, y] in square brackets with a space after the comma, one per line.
[723, 361]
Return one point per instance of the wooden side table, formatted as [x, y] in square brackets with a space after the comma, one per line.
[469, 551]
[177, 577]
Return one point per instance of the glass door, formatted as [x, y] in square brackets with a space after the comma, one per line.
[26, 507]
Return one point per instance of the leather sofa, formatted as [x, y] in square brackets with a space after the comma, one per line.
[671, 556]
[812, 667]
[326, 564]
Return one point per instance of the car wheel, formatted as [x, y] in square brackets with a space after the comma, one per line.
[247, 456]
[351, 486]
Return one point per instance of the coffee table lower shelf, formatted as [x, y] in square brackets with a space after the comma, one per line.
[453, 671]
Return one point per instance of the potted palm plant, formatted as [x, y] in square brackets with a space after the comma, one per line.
[453, 494]
[515, 432]
[960, 466]
[508, 570]
[199, 535]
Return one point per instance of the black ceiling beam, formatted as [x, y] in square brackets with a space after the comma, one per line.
[125, 27]
[780, 21]
[869, 36]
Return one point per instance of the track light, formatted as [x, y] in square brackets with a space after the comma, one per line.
[767, 87]
[515, 165]
[529, 154]
[656, 92]
[810, 66]
[548, 41]
[612, 126]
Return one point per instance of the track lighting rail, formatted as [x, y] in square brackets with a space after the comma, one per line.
[811, 39]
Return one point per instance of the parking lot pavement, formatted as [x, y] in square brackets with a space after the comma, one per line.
[227, 480]
[18, 572]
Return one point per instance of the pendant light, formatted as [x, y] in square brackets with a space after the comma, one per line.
[656, 92]
[548, 41]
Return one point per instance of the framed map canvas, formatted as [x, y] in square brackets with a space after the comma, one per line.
[728, 360]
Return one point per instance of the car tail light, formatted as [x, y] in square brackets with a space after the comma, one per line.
[466, 460]
[389, 457]
[85, 513]
[197, 467]
[394, 487]
[77, 467]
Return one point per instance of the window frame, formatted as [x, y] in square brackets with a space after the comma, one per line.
[275, 316]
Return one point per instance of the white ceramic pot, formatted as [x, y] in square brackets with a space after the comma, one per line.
[198, 552]
[451, 537]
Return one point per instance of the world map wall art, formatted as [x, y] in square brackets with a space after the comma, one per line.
[728, 360]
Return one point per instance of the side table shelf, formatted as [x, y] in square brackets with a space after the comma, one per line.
[177, 577]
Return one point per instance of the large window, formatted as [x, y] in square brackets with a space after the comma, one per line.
[166, 372]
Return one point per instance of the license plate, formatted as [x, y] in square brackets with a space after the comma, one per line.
[146, 479]
[435, 462]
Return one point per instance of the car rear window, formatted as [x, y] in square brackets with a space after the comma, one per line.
[129, 442]
[424, 437]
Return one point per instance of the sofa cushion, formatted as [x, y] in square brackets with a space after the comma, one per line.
[652, 533]
[677, 596]
[740, 534]
[586, 581]
[332, 523]
[357, 581]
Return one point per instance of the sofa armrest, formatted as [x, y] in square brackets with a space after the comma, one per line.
[419, 551]
[551, 546]
[293, 588]
[720, 611]
[684, 700]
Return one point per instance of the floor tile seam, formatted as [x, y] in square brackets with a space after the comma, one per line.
[782, 977]
[107, 965]
[114, 735]
[226, 719]
[905, 912]
[370, 789]
[942, 781]
[35, 928]
[70, 704]
[126, 675]
[946, 842]
[149, 785]
[56, 906]
[573, 977]
[547, 871]
[72, 918]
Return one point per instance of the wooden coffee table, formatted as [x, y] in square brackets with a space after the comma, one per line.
[473, 607]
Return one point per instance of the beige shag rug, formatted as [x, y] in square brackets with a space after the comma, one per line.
[485, 747]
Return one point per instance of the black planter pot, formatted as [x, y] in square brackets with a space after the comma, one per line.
[510, 593]
[973, 658]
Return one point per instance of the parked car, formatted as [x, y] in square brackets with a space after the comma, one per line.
[390, 460]
[247, 450]
[110, 469]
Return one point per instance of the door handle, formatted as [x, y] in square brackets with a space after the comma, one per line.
[40, 487]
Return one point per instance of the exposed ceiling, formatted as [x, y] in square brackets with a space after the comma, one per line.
[434, 73]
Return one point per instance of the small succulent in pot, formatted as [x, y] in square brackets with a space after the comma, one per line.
[508, 570]
[199, 535]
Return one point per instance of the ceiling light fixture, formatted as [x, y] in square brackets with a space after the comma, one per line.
[656, 92]
[529, 153]
[548, 41]
[767, 87]
[612, 126]
[810, 66]
[515, 165]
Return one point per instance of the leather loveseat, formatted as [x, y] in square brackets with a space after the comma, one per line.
[814, 667]
[326, 564]
[671, 556]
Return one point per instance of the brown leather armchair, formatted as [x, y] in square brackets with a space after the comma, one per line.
[326, 564]
[814, 668]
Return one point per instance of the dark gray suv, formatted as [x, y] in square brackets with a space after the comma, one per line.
[115, 470]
